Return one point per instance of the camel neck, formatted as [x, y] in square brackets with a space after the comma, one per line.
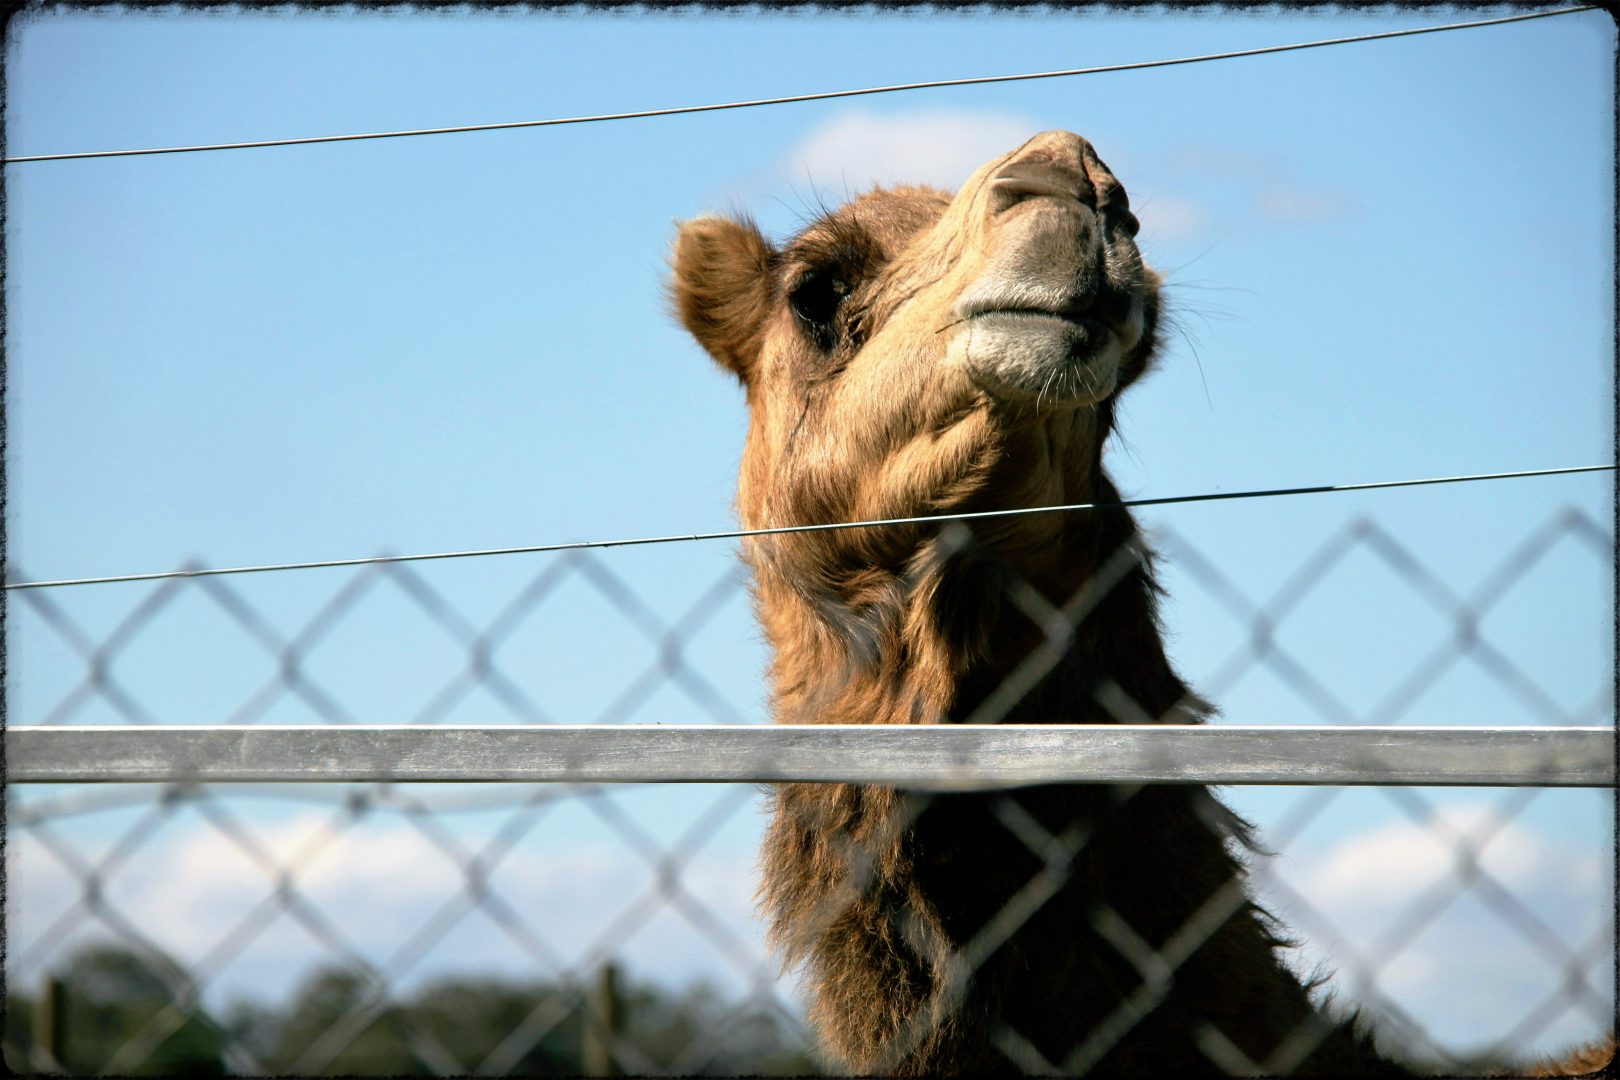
[963, 633]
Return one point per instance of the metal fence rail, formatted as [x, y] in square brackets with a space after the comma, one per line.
[969, 757]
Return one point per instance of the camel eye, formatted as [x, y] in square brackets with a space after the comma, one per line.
[815, 300]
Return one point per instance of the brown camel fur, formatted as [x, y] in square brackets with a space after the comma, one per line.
[917, 353]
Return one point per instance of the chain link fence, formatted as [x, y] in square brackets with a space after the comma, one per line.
[564, 928]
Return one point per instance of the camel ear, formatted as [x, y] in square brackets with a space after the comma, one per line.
[722, 288]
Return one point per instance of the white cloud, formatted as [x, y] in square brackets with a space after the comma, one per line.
[1392, 864]
[1465, 967]
[1463, 972]
[380, 881]
[857, 149]
[942, 148]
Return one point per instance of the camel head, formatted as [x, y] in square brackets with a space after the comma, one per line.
[912, 352]
[915, 353]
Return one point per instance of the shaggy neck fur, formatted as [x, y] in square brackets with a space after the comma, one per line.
[951, 903]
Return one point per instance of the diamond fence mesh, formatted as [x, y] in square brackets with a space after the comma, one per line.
[551, 929]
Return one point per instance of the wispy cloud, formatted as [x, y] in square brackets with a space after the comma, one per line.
[1249, 187]
[1169, 219]
[1209, 160]
[1303, 206]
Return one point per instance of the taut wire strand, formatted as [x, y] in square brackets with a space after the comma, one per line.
[739, 534]
[822, 96]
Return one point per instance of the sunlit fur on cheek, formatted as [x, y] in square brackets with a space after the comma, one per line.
[790, 473]
[895, 404]
[757, 487]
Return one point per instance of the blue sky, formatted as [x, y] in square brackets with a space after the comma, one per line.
[1390, 260]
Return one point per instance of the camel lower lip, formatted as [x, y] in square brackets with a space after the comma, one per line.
[1032, 313]
[1025, 354]
[1093, 331]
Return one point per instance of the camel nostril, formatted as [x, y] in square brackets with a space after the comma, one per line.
[1022, 180]
[1060, 164]
[1128, 219]
[1060, 147]
[1008, 191]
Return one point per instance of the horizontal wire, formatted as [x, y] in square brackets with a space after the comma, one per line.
[823, 96]
[739, 534]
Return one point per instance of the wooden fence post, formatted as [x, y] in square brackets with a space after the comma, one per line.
[50, 1021]
[601, 1023]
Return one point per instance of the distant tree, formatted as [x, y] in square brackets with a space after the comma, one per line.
[450, 1025]
[254, 1027]
[472, 1018]
[456, 1024]
[112, 999]
[760, 1042]
[664, 1028]
[380, 1046]
[19, 1034]
[703, 1033]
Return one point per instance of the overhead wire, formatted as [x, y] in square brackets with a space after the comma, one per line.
[791, 99]
[745, 533]
[779, 530]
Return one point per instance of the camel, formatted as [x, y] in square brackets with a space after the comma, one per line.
[918, 353]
